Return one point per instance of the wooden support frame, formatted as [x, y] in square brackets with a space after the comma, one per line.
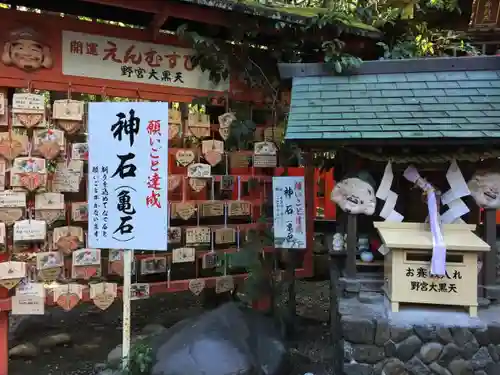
[490, 258]
[158, 21]
[54, 79]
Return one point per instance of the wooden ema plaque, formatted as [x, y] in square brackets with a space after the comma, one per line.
[198, 235]
[485, 15]
[210, 209]
[265, 155]
[225, 236]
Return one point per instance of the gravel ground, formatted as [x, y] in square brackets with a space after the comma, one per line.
[94, 333]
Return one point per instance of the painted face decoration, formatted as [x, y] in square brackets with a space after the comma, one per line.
[355, 196]
[485, 189]
[25, 50]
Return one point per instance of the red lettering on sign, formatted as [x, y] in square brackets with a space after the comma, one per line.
[135, 59]
[188, 63]
[110, 53]
[172, 60]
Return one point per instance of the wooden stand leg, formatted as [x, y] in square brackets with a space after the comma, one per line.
[395, 306]
[473, 311]
[4, 343]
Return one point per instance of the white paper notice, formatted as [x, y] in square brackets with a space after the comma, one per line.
[383, 250]
[386, 183]
[128, 175]
[458, 186]
[289, 212]
[389, 204]
[457, 208]
[395, 216]
[29, 299]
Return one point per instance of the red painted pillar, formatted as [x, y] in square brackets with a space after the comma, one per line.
[4, 342]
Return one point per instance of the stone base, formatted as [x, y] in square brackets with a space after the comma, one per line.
[418, 341]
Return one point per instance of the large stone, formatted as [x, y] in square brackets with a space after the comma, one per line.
[438, 369]
[377, 369]
[494, 333]
[481, 359]
[358, 330]
[400, 333]
[26, 350]
[348, 351]
[492, 349]
[407, 348]
[461, 335]
[444, 335]
[382, 332]
[449, 353]
[426, 332]
[492, 369]
[394, 367]
[390, 349]
[109, 371]
[227, 340]
[370, 297]
[416, 367]
[460, 367]
[368, 353]
[358, 369]
[153, 329]
[430, 351]
[482, 335]
[51, 341]
[470, 349]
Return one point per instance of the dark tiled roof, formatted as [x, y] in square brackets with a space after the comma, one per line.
[396, 105]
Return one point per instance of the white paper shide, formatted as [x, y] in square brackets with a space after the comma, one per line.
[289, 212]
[128, 169]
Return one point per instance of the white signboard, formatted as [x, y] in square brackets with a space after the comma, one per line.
[94, 56]
[289, 213]
[128, 169]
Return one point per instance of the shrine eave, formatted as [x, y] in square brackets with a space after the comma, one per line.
[451, 100]
[167, 15]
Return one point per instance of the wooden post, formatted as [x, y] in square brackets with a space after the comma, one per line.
[290, 279]
[352, 245]
[335, 324]
[490, 258]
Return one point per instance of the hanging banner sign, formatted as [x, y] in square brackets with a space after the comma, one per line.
[94, 56]
[128, 169]
[289, 213]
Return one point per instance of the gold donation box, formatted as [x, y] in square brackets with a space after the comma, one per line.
[408, 261]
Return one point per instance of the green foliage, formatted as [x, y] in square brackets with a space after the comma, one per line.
[422, 41]
[338, 61]
[259, 281]
[241, 134]
[140, 360]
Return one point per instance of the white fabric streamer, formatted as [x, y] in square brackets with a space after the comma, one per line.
[438, 261]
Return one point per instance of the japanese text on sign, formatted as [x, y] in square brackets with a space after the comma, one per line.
[87, 55]
[289, 213]
[442, 284]
[128, 161]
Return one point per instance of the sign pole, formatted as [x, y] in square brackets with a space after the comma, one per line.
[128, 255]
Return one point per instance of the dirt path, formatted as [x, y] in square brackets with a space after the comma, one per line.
[94, 333]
